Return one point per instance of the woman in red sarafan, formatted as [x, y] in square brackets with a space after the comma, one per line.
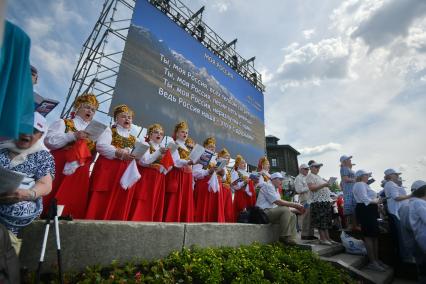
[73, 152]
[108, 200]
[148, 199]
[209, 205]
[263, 169]
[179, 197]
[226, 186]
[245, 194]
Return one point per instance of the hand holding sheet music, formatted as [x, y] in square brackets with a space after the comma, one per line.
[95, 129]
[10, 180]
[220, 165]
[172, 146]
[200, 155]
[139, 149]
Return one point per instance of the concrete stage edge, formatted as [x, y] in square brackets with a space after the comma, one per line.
[86, 242]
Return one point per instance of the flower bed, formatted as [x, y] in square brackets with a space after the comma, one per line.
[247, 264]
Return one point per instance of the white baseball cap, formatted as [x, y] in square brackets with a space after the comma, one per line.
[40, 122]
[417, 184]
[304, 166]
[391, 171]
[277, 175]
[361, 173]
[315, 164]
[344, 158]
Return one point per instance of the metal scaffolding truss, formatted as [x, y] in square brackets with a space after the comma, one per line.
[100, 57]
[194, 25]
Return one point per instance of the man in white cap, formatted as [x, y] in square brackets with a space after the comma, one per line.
[278, 210]
[396, 197]
[302, 189]
[413, 224]
[27, 155]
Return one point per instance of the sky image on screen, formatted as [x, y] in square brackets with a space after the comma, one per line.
[153, 34]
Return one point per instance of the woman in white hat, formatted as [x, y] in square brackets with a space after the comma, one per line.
[367, 212]
[26, 155]
[396, 196]
[321, 203]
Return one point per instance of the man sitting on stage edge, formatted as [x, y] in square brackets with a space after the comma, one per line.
[278, 210]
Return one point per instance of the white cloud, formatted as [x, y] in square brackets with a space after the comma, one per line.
[391, 21]
[422, 161]
[38, 27]
[221, 6]
[404, 167]
[417, 38]
[55, 58]
[346, 17]
[266, 75]
[320, 149]
[63, 14]
[327, 59]
[307, 34]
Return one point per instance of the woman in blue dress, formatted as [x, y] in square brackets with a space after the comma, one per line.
[348, 181]
[26, 155]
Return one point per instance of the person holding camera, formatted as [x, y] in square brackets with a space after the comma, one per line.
[278, 210]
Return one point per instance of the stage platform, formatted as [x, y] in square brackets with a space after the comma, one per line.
[86, 243]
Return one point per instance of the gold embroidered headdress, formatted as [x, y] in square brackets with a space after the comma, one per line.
[122, 108]
[181, 125]
[154, 127]
[224, 152]
[238, 160]
[209, 142]
[87, 98]
[262, 162]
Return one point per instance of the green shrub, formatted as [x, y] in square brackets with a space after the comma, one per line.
[247, 264]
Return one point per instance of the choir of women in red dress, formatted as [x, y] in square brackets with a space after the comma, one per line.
[179, 200]
[208, 198]
[108, 199]
[148, 198]
[73, 152]
[186, 192]
[226, 186]
[243, 186]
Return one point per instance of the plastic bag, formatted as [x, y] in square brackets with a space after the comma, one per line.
[352, 245]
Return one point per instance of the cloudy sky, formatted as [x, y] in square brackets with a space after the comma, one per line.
[342, 77]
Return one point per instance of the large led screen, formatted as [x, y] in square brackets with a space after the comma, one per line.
[167, 76]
